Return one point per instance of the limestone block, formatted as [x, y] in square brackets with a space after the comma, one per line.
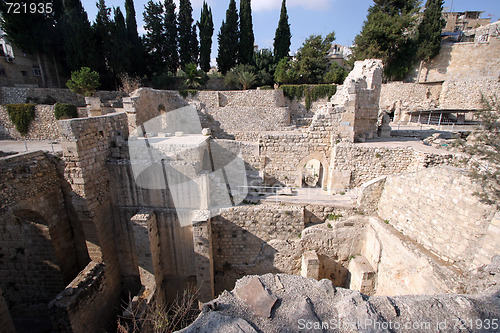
[257, 297]
[310, 265]
[362, 275]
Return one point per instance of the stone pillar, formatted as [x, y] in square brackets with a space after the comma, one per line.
[362, 275]
[147, 246]
[310, 265]
[94, 107]
[202, 242]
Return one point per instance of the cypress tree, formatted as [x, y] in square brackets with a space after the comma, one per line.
[188, 43]
[102, 33]
[206, 26]
[137, 60]
[119, 60]
[429, 30]
[154, 39]
[283, 36]
[79, 43]
[170, 28]
[246, 33]
[228, 38]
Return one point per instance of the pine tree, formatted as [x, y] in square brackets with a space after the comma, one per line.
[429, 30]
[387, 35]
[136, 53]
[228, 38]
[188, 43]
[119, 60]
[246, 33]
[170, 28]
[206, 26]
[283, 36]
[154, 39]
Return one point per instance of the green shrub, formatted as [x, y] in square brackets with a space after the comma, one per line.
[47, 100]
[266, 88]
[84, 82]
[65, 111]
[21, 116]
[185, 93]
[311, 93]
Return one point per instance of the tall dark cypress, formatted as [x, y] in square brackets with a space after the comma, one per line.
[79, 43]
[137, 60]
[206, 26]
[282, 37]
[429, 30]
[170, 28]
[246, 32]
[188, 43]
[228, 38]
[119, 60]
[102, 33]
[154, 39]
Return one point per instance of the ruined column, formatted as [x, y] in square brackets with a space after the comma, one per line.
[202, 242]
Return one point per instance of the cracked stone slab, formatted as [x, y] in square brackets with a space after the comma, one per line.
[257, 297]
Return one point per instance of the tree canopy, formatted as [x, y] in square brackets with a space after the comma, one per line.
[228, 38]
[282, 37]
[188, 42]
[246, 33]
[206, 26]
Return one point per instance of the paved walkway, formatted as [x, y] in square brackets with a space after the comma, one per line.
[347, 199]
[24, 146]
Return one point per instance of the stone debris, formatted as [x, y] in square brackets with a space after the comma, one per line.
[306, 305]
[257, 297]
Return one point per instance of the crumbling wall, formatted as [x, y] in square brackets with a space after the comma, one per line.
[436, 208]
[42, 127]
[38, 251]
[88, 302]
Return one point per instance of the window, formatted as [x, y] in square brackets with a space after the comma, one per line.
[37, 71]
[24, 73]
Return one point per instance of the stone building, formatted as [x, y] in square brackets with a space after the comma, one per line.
[464, 21]
[105, 220]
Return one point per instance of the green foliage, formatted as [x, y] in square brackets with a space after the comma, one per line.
[65, 111]
[119, 61]
[246, 33]
[266, 88]
[163, 80]
[185, 93]
[47, 100]
[429, 30]
[228, 38]
[387, 34]
[336, 74]
[264, 67]
[206, 26]
[333, 216]
[283, 36]
[155, 37]
[83, 82]
[240, 77]
[194, 78]
[187, 41]
[482, 151]
[21, 116]
[310, 93]
[286, 72]
[137, 49]
[171, 55]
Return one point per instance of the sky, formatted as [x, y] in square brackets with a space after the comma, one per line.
[306, 17]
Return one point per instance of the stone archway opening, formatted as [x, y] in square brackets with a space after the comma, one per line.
[312, 174]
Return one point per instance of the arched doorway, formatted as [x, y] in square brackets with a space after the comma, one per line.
[312, 174]
[312, 171]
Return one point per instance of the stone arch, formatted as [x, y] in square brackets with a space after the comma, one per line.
[32, 263]
[312, 156]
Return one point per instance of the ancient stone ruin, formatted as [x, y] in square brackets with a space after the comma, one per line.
[245, 191]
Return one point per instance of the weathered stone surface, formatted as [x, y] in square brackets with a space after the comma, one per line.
[316, 306]
[257, 297]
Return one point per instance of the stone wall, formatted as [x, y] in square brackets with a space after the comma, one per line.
[38, 250]
[361, 164]
[87, 304]
[467, 93]
[458, 60]
[43, 127]
[436, 208]
[5, 318]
